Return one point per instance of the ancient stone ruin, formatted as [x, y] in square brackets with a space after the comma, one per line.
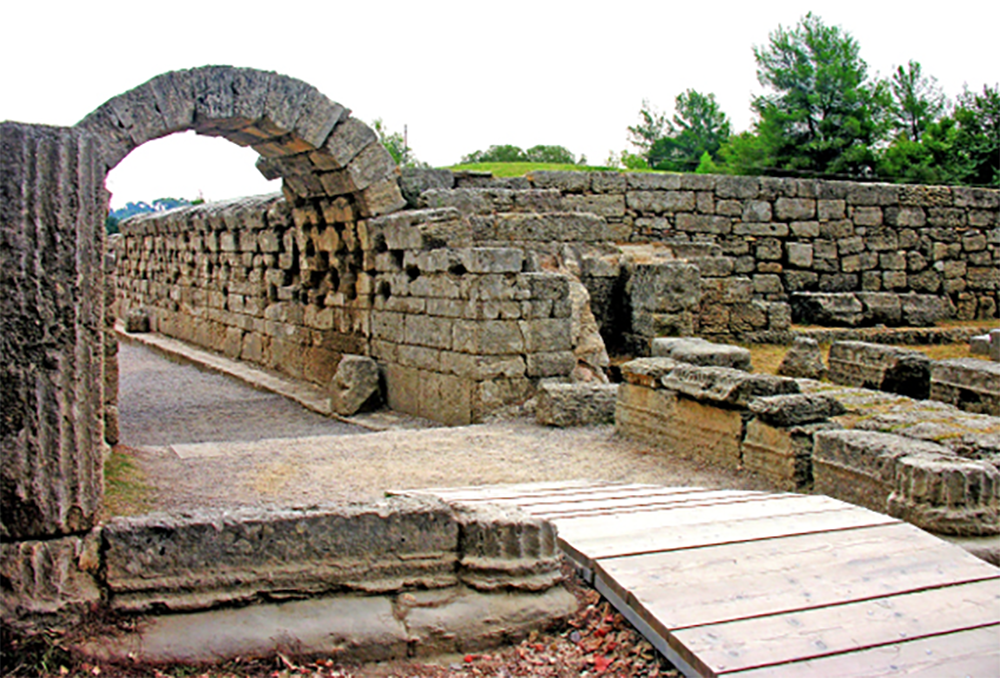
[467, 292]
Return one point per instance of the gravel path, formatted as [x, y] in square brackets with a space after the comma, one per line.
[206, 440]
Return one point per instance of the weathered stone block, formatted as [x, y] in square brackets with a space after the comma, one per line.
[880, 367]
[697, 351]
[355, 385]
[817, 308]
[804, 360]
[724, 385]
[575, 404]
[665, 287]
[54, 577]
[782, 455]
[209, 558]
[946, 494]
[52, 315]
[968, 383]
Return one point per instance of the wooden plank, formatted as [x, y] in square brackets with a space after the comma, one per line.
[487, 492]
[631, 496]
[714, 584]
[974, 653]
[764, 641]
[629, 534]
[639, 504]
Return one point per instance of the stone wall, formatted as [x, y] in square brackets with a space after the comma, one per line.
[458, 328]
[759, 241]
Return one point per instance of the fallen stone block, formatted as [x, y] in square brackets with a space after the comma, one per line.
[355, 385]
[924, 310]
[137, 321]
[880, 367]
[967, 383]
[859, 466]
[725, 385]
[796, 409]
[647, 371]
[804, 360]
[697, 351]
[576, 404]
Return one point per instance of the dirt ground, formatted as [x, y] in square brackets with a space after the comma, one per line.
[204, 440]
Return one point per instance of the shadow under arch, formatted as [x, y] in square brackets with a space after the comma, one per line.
[312, 143]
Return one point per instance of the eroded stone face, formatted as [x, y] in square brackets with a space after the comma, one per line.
[52, 305]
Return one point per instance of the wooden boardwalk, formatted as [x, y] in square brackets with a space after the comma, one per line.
[735, 583]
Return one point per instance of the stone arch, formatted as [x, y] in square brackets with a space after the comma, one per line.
[312, 143]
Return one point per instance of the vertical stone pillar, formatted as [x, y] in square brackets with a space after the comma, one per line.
[52, 205]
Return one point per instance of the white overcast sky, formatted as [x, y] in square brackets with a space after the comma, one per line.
[460, 75]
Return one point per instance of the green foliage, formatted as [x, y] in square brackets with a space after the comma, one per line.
[535, 154]
[698, 127]
[824, 115]
[976, 155]
[396, 144]
[706, 165]
[916, 101]
[651, 127]
[519, 169]
[111, 224]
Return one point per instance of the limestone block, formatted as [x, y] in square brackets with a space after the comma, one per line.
[545, 335]
[724, 385]
[570, 182]
[817, 308]
[576, 404]
[881, 308]
[504, 548]
[489, 337]
[552, 227]
[664, 287]
[348, 139]
[980, 344]
[698, 351]
[924, 310]
[796, 409]
[212, 557]
[880, 367]
[355, 385]
[647, 371]
[492, 260]
[48, 577]
[550, 364]
[780, 454]
[804, 360]
[946, 494]
[971, 384]
[859, 466]
[413, 182]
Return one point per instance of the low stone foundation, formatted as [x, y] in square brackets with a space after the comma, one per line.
[883, 368]
[969, 383]
[364, 581]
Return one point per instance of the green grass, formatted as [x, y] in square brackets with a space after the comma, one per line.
[126, 492]
[518, 169]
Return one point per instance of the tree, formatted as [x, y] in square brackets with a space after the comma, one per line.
[510, 153]
[975, 157]
[395, 143]
[824, 114]
[916, 101]
[698, 127]
[650, 128]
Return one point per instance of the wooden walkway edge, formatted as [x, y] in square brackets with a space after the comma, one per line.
[737, 583]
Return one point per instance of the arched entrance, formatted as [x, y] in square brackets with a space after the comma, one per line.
[52, 208]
